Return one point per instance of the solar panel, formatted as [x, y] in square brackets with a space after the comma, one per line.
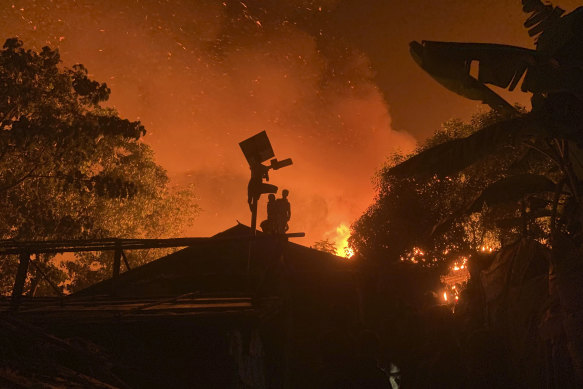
[257, 149]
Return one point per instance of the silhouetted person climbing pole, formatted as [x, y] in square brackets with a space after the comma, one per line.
[257, 187]
[257, 149]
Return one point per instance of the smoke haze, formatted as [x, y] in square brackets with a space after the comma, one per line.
[202, 76]
[315, 74]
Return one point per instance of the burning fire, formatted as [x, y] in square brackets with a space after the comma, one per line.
[348, 252]
[340, 237]
[461, 264]
[458, 275]
[454, 280]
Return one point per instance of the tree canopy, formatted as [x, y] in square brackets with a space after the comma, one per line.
[326, 246]
[409, 220]
[72, 168]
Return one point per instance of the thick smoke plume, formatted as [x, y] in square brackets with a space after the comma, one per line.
[204, 75]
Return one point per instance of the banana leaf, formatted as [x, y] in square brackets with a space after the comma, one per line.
[555, 66]
[518, 221]
[512, 189]
[453, 156]
[449, 63]
[542, 16]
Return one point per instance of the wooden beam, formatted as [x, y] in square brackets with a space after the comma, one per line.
[46, 278]
[125, 261]
[20, 280]
[117, 259]
[10, 247]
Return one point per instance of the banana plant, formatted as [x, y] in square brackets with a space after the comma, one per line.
[553, 74]
[551, 131]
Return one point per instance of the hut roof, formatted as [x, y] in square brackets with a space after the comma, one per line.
[221, 263]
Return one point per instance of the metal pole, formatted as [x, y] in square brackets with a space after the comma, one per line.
[125, 260]
[253, 234]
[254, 217]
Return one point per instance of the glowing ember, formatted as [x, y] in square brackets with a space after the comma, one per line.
[460, 264]
[487, 249]
[418, 251]
[415, 256]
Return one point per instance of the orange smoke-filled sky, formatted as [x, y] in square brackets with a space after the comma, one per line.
[331, 81]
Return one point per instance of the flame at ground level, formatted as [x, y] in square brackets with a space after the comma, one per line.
[340, 238]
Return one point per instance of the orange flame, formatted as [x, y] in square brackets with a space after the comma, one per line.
[340, 236]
